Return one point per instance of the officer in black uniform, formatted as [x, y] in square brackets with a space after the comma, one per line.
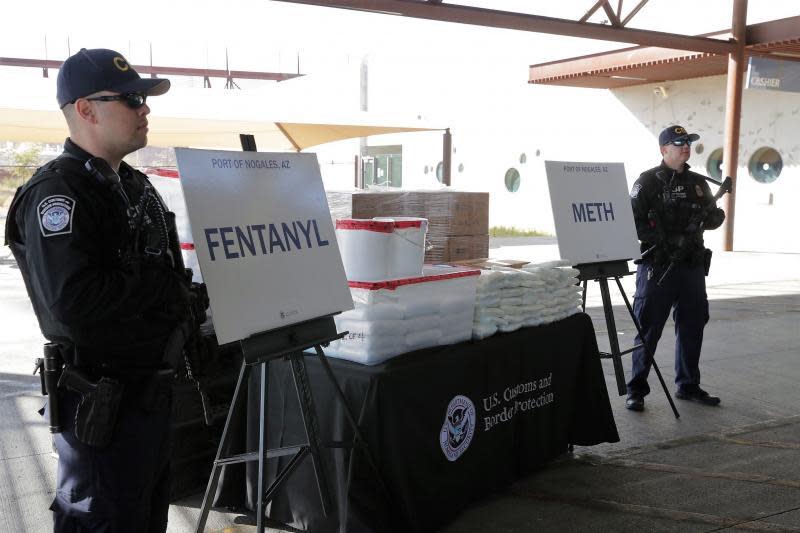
[672, 206]
[97, 251]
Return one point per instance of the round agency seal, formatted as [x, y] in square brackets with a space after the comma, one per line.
[458, 428]
[55, 218]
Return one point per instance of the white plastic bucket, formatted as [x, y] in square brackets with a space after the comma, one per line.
[365, 248]
[407, 246]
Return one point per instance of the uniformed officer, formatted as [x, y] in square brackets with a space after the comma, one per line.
[102, 270]
[672, 206]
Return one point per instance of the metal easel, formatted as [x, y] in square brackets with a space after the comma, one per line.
[601, 272]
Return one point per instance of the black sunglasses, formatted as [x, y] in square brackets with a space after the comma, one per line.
[680, 142]
[132, 100]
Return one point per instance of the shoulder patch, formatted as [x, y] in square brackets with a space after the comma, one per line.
[55, 215]
[635, 191]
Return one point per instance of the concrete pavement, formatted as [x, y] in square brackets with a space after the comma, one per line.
[731, 468]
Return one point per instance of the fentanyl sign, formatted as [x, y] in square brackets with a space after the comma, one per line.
[264, 239]
[592, 212]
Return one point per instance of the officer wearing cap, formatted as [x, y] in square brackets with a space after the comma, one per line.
[672, 206]
[102, 268]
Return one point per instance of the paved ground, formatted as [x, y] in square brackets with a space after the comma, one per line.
[731, 468]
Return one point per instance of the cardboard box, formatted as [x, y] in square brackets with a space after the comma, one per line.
[448, 212]
[456, 248]
[486, 263]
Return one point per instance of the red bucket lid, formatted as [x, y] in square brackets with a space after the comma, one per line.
[404, 224]
[367, 225]
[392, 284]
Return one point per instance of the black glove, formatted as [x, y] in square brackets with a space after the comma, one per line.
[715, 218]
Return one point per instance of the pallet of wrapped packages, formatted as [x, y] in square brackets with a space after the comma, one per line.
[402, 315]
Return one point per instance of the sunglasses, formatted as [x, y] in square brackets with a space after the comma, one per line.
[680, 142]
[132, 100]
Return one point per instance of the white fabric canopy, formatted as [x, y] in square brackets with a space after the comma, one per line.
[204, 119]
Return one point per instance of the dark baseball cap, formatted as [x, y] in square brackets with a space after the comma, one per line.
[674, 133]
[98, 69]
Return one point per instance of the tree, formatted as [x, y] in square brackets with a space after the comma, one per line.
[24, 164]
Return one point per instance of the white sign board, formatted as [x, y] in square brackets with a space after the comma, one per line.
[592, 212]
[264, 239]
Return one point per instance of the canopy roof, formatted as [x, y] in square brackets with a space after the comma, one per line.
[205, 118]
[639, 65]
[25, 125]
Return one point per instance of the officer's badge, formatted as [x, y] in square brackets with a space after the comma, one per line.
[699, 190]
[55, 215]
[635, 191]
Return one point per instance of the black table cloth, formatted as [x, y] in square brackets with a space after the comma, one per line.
[445, 425]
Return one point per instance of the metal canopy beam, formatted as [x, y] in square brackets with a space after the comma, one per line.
[525, 22]
[153, 70]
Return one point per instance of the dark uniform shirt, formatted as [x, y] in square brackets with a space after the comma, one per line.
[71, 235]
[671, 209]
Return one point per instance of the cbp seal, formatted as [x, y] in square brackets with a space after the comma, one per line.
[458, 428]
[55, 215]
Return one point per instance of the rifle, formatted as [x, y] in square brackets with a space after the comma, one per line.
[695, 224]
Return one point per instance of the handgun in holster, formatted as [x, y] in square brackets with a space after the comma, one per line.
[97, 410]
[50, 367]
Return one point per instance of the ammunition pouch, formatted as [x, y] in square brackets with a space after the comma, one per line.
[96, 414]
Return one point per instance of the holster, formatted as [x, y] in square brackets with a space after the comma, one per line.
[96, 415]
[707, 260]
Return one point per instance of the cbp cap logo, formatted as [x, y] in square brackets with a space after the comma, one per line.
[458, 428]
[121, 64]
[55, 215]
[679, 131]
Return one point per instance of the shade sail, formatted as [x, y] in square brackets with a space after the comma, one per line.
[204, 118]
[45, 126]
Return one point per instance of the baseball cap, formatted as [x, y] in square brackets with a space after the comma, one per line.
[90, 71]
[673, 133]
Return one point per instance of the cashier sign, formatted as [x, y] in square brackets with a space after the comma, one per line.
[264, 239]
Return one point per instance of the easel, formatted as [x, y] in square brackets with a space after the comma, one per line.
[287, 343]
[601, 272]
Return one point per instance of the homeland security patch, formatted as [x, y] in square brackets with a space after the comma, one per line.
[458, 428]
[55, 215]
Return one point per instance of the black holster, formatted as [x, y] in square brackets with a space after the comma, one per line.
[707, 260]
[97, 410]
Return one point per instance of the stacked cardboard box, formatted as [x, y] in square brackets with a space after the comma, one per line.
[458, 222]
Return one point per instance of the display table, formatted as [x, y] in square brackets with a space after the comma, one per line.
[447, 426]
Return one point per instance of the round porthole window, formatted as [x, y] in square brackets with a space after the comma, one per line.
[512, 180]
[714, 164]
[523, 158]
[461, 167]
[765, 165]
[699, 148]
[440, 171]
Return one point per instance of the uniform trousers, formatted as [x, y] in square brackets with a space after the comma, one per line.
[120, 488]
[684, 293]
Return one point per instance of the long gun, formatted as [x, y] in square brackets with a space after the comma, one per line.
[695, 223]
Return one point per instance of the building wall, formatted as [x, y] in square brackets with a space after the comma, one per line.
[556, 123]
